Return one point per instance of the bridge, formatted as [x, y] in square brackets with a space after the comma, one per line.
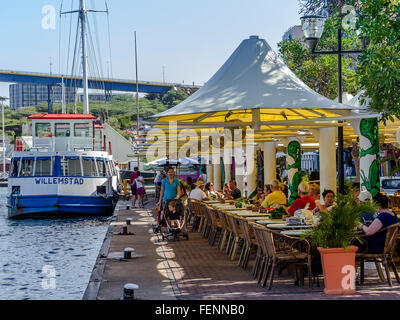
[107, 85]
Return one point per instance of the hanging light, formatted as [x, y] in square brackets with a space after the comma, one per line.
[313, 27]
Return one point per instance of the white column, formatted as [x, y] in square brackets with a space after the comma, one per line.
[210, 173]
[239, 168]
[217, 177]
[251, 174]
[228, 172]
[327, 159]
[269, 161]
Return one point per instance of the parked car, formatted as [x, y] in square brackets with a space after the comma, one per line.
[390, 185]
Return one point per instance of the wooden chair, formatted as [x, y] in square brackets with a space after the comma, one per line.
[216, 226]
[262, 252]
[283, 249]
[198, 215]
[385, 257]
[237, 235]
[249, 242]
[225, 232]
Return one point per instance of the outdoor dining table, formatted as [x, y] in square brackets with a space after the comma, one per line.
[288, 226]
[249, 214]
[269, 221]
[294, 233]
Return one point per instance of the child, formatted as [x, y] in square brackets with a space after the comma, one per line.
[174, 216]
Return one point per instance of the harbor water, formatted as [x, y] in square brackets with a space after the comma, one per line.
[47, 258]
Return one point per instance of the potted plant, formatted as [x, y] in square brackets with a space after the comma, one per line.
[333, 236]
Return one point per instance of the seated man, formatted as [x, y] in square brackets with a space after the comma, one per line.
[235, 192]
[198, 192]
[301, 203]
[174, 215]
[276, 197]
[385, 218]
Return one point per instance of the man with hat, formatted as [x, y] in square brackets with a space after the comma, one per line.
[198, 192]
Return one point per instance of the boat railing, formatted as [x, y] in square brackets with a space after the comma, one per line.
[40, 149]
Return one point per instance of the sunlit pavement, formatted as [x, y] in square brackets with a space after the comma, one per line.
[192, 269]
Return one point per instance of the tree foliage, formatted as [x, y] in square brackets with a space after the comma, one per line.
[319, 72]
[378, 72]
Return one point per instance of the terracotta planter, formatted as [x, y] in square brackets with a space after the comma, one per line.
[338, 266]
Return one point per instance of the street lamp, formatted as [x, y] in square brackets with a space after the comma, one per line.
[313, 27]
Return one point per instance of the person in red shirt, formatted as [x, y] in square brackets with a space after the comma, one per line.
[301, 203]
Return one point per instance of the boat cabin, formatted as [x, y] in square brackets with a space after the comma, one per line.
[63, 132]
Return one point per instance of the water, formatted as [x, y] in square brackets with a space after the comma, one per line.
[49, 258]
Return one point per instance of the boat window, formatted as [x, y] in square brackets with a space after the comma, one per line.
[63, 130]
[89, 167]
[14, 167]
[81, 129]
[43, 166]
[72, 166]
[43, 130]
[101, 166]
[27, 167]
[111, 168]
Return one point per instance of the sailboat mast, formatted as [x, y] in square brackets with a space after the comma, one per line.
[84, 57]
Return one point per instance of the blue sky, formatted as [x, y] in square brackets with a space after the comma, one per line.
[192, 39]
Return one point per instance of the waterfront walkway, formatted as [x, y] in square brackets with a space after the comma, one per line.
[187, 270]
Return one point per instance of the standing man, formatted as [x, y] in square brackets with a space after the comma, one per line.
[203, 176]
[134, 175]
[169, 187]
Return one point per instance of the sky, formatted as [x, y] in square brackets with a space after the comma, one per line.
[190, 39]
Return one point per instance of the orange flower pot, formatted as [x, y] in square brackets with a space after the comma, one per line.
[338, 265]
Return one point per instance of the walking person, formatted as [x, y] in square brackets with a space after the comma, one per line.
[132, 179]
[140, 191]
[169, 188]
[203, 176]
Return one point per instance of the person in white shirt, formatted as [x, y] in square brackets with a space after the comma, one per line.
[140, 191]
[198, 193]
[203, 176]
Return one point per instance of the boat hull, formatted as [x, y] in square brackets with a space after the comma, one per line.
[50, 206]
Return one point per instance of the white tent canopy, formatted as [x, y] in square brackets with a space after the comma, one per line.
[254, 77]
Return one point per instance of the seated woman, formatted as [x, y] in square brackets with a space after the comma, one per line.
[227, 191]
[386, 217]
[267, 191]
[175, 215]
[210, 192]
[314, 192]
[328, 196]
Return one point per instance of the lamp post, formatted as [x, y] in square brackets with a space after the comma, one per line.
[313, 27]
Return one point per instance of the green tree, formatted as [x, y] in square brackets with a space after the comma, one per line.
[378, 72]
[319, 72]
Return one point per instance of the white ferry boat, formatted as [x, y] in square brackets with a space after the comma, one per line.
[62, 174]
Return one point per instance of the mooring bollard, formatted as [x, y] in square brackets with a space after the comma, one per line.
[125, 229]
[129, 291]
[128, 221]
[128, 253]
[128, 207]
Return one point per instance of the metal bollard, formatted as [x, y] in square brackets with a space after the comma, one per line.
[129, 291]
[128, 221]
[125, 229]
[128, 253]
[128, 207]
